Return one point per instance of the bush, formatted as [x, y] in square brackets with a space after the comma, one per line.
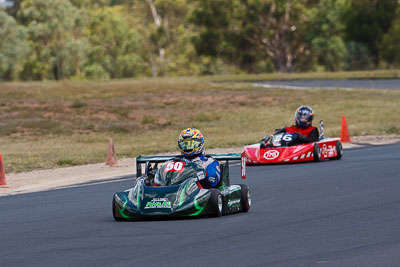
[96, 71]
[358, 57]
[390, 46]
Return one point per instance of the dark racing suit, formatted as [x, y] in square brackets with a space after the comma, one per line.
[306, 135]
[293, 135]
[208, 163]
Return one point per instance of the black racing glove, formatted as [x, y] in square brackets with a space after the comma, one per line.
[301, 138]
[149, 180]
[149, 176]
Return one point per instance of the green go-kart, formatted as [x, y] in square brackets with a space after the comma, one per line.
[176, 191]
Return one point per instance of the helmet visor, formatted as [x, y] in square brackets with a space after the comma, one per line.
[304, 117]
[189, 144]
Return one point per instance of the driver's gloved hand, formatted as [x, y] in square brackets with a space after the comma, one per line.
[265, 139]
[301, 138]
[148, 180]
[263, 145]
[264, 142]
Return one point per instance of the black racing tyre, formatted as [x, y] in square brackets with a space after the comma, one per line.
[116, 215]
[245, 197]
[317, 152]
[339, 150]
[216, 202]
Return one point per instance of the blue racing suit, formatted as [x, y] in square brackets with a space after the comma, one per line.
[212, 169]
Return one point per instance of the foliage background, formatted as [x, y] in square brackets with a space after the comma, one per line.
[108, 39]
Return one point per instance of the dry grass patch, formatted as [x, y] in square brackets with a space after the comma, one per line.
[50, 124]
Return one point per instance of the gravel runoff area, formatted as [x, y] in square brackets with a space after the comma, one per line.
[97, 173]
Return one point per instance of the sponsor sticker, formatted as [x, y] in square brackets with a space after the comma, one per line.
[324, 150]
[230, 189]
[271, 154]
[233, 202]
[158, 203]
[332, 150]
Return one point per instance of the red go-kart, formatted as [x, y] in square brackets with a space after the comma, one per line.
[277, 150]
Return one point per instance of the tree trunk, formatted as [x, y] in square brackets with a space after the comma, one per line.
[55, 72]
[158, 22]
[152, 61]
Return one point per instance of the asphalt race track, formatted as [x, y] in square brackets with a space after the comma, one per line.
[388, 84]
[331, 213]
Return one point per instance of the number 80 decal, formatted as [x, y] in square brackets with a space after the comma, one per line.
[174, 166]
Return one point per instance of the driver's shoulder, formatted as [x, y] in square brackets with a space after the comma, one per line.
[205, 158]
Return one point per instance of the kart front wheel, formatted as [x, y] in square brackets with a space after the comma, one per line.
[216, 203]
[245, 197]
[115, 212]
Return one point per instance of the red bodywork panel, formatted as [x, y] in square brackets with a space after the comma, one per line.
[256, 155]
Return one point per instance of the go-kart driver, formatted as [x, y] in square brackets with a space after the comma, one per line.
[191, 145]
[300, 133]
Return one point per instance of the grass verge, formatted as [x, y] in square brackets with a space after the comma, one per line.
[55, 124]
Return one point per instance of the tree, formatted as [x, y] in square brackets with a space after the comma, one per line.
[254, 29]
[358, 57]
[279, 29]
[116, 48]
[367, 21]
[326, 36]
[13, 46]
[390, 46]
[168, 35]
[12, 7]
[55, 38]
[219, 34]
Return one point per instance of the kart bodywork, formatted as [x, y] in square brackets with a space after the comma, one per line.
[180, 194]
[325, 148]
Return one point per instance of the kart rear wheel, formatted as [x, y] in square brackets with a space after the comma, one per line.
[245, 197]
[216, 202]
[317, 152]
[116, 215]
[339, 150]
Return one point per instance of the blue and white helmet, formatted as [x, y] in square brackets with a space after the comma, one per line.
[191, 142]
[303, 116]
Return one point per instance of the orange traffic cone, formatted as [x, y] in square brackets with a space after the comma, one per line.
[3, 183]
[111, 156]
[344, 132]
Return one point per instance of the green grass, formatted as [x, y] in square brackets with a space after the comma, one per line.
[55, 124]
